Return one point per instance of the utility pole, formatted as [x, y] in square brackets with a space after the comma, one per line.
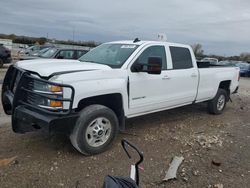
[73, 34]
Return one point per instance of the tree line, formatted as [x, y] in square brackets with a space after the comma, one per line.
[43, 40]
[199, 53]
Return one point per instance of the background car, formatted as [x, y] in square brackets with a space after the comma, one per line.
[226, 63]
[37, 53]
[5, 55]
[244, 68]
[59, 53]
[211, 60]
[34, 49]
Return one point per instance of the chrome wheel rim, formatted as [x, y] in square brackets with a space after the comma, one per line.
[221, 102]
[98, 132]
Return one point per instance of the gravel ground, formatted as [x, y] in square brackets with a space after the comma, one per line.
[50, 161]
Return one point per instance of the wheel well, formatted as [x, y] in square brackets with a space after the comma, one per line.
[226, 86]
[112, 101]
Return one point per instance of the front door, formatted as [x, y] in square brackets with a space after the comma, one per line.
[147, 91]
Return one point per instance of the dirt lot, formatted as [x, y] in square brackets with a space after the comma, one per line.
[50, 161]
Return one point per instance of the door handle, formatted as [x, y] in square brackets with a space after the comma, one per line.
[193, 75]
[166, 77]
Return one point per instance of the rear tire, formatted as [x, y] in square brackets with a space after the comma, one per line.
[95, 130]
[218, 103]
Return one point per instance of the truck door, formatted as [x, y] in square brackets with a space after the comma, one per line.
[147, 91]
[183, 77]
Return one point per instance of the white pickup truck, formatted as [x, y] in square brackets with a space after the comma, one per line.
[89, 99]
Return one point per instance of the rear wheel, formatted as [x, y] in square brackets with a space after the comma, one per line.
[95, 130]
[218, 103]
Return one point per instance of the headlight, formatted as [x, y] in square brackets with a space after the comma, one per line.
[47, 90]
[43, 87]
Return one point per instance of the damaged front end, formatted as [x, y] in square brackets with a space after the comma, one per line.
[37, 103]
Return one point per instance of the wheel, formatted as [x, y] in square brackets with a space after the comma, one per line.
[95, 130]
[1, 63]
[218, 103]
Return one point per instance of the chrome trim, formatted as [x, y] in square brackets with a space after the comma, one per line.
[48, 92]
[51, 108]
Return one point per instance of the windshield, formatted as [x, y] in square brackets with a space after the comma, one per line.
[43, 51]
[113, 55]
[49, 53]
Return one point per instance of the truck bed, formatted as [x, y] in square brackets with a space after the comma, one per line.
[204, 64]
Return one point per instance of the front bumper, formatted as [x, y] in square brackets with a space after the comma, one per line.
[27, 120]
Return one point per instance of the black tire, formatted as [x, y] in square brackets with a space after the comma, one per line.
[218, 103]
[81, 134]
[1, 63]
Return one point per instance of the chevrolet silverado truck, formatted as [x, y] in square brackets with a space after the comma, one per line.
[89, 99]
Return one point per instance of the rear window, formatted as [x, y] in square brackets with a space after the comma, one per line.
[181, 58]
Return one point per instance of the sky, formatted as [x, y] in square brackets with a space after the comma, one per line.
[221, 26]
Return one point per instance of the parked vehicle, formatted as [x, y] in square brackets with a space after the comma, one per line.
[89, 99]
[58, 53]
[244, 68]
[40, 52]
[34, 49]
[211, 60]
[5, 55]
[226, 63]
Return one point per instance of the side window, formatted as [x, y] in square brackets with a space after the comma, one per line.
[153, 51]
[80, 53]
[181, 58]
[66, 54]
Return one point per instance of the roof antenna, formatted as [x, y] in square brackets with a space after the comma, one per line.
[136, 40]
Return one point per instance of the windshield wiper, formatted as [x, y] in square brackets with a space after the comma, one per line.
[89, 61]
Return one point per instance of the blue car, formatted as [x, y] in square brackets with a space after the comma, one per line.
[244, 69]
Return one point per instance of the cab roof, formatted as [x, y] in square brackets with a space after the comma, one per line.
[145, 42]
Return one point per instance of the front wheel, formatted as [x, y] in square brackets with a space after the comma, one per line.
[218, 103]
[95, 130]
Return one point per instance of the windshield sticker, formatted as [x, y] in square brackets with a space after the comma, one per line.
[128, 46]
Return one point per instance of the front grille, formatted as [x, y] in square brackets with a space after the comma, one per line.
[19, 85]
[25, 95]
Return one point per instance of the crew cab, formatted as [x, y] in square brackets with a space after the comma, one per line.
[89, 99]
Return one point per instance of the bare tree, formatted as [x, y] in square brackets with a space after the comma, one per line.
[245, 56]
[197, 48]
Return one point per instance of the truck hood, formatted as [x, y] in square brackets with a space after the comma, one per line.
[48, 67]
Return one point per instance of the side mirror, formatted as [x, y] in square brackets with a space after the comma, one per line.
[154, 65]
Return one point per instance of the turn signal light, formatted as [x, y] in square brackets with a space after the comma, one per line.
[55, 88]
[55, 103]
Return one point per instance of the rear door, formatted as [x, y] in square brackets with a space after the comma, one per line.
[182, 77]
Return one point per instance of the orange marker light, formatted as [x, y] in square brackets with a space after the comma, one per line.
[55, 88]
[54, 103]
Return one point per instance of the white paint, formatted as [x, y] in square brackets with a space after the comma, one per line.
[147, 93]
